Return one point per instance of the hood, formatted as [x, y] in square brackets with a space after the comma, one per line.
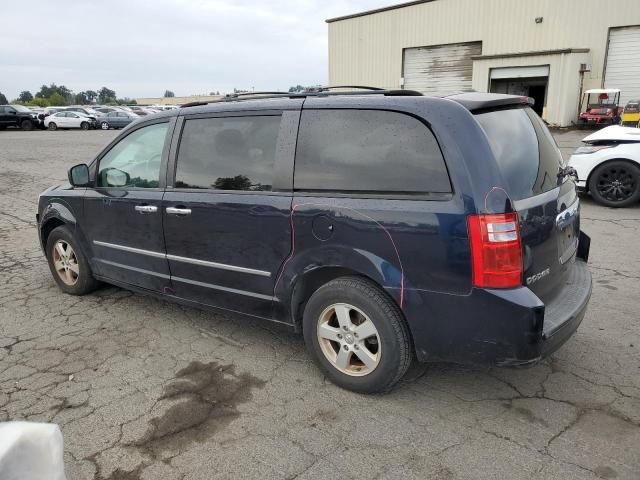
[615, 132]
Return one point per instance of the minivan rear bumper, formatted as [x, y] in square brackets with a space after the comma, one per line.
[498, 327]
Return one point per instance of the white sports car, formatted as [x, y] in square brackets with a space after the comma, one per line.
[608, 166]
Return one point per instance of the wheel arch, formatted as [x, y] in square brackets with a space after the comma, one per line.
[605, 162]
[309, 281]
[57, 213]
[47, 227]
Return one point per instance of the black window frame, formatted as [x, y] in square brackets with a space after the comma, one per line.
[94, 166]
[383, 194]
[283, 161]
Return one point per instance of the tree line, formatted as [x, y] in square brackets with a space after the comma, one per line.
[60, 95]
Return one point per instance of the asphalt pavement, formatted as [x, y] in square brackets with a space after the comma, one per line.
[146, 389]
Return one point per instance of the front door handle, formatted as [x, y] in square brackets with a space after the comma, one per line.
[178, 211]
[146, 209]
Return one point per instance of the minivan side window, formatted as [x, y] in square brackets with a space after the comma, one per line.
[135, 160]
[228, 153]
[368, 151]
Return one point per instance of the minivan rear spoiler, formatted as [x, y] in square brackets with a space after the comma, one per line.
[476, 101]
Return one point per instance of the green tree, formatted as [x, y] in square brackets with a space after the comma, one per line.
[57, 100]
[126, 101]
[47, 91]
[39, 102]
[81, 98]
[106, 95]
[3, 99]
[91, 95]
[169, 94]
[25, 96]
[296, 89]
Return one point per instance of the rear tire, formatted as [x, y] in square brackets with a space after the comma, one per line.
[84, 126]
[104, 126]
[52, 126]
[357, 335]
[615, 184]
[26, 125]
[68, 263]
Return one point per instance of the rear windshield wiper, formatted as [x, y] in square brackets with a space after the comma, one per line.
[564, 172]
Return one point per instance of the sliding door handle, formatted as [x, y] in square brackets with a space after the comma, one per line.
[178, 211]
[146, 209]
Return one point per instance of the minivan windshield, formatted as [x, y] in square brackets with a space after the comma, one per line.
[527, 154]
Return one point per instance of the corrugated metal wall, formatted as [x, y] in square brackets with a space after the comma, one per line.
[623, 63]
[368, 49]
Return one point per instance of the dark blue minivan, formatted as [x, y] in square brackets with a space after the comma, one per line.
[383, 225]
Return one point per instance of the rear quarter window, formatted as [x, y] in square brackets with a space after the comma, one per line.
[525, 150]
[368, 151]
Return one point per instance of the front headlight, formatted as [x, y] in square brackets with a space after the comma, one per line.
[591, 149]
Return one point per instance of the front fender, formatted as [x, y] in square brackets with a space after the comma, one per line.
[59, 210]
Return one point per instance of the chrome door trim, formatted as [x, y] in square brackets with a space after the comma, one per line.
[224, 289]
[176, 258]
[222, 266]
[130, 249]
[134, 269]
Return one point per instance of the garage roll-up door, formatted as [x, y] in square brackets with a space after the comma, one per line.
[519, 72]
[440, 70]
[623, 63]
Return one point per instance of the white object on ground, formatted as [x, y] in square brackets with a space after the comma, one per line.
[31, 451]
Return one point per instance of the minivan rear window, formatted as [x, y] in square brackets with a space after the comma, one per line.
[526, 152]
[368, 151]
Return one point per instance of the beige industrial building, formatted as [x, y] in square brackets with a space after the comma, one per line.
[550, 50]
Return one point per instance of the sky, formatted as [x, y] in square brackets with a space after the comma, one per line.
[143, 47]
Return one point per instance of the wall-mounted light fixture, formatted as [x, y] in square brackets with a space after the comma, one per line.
[539, 19]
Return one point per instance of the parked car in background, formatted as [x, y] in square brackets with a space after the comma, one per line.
[104, 110]
[143, 111]
[17, 116]
[608, 166]
[383, 227]
[69, 119]
[116, 119]
[86, 110]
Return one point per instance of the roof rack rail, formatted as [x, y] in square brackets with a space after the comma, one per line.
[317, 92]
[233, 96]
[335, 87]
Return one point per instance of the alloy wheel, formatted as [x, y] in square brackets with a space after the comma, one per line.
[349, 340]
[616, 184]
[104, 126]
[65, 262]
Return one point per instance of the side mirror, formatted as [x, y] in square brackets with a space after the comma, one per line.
[117, 178]
[79, 175]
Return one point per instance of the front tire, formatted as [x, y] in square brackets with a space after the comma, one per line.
[104, 126]
[52, 126]
[84, 126]
[26, 125]
[357, 335]
[68, 264]
[615, 184]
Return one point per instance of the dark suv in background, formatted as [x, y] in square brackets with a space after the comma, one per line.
[382, 224]
[18, 116]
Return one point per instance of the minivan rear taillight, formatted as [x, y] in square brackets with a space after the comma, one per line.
[496, 250]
